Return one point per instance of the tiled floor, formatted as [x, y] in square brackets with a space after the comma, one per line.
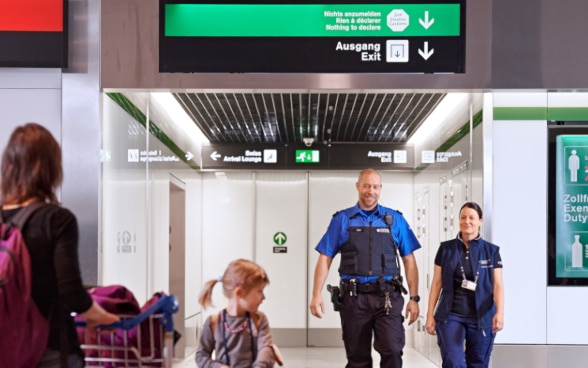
[325, 358]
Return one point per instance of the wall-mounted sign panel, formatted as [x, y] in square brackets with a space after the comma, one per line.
[243, 157]
[33, 33]
[568, 205]
[377, 156]
[299, 157]
[309, 37]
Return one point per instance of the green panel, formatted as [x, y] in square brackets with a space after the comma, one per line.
[567, 113]
[140, 117]
[541, 113]
[307, 156]
[310, 20]
[571, 206]
[520, 113]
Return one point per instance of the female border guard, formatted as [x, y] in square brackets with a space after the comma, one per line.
[468, 291]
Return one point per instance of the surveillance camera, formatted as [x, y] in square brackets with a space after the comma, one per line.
[308, 141]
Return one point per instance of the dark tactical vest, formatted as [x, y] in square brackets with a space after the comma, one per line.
[370, 251]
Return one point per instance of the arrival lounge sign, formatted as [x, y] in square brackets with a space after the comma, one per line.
[299, 157]
[309, 37]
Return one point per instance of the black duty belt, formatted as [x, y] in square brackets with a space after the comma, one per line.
[347, 286]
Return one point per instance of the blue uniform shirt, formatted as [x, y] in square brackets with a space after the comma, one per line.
[337, 234]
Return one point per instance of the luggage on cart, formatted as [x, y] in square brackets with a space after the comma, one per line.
[144, 337]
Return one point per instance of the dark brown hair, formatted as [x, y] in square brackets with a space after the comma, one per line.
[474, 206]
[31, 165]
[239, 273]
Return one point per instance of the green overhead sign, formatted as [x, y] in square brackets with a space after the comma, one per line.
[304, 36]
[311, 20]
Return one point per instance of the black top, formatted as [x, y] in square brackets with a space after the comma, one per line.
[464, 302]
[51, 236]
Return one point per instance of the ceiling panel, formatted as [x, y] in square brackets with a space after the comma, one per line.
[288, 117]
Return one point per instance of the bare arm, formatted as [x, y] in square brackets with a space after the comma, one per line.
[317, 305]
[498, 320]
[97, 315]
[412, 278]
[433, 297]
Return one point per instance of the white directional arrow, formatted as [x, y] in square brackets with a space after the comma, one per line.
[189, 155]
[426, 23]
[215, 155]
[426, 53]
[280, 238]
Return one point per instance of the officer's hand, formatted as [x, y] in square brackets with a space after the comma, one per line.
[317, 306]
[412, 311]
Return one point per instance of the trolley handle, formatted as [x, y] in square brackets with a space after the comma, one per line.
[166, 305]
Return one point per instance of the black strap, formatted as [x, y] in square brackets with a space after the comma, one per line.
[389, 219]
[22, 216]
[223, 321]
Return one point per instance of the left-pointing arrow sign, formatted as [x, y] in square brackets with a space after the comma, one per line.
[215, 155]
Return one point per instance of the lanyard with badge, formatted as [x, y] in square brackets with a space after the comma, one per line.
[465, 283]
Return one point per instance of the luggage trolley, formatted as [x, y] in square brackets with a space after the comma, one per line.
[143, 340]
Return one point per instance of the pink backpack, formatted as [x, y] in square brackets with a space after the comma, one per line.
[23, 329]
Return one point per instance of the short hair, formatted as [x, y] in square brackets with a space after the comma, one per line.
[368, 171]
[31, 165]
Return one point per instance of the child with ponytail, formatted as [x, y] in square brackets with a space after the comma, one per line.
[238, 336]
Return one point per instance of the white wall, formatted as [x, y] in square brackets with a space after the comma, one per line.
[519, 226]
[281, 206]
[228, 220]
[30, 95]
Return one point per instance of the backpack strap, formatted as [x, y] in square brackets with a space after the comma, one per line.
[22, 216]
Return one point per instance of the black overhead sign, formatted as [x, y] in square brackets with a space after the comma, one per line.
[302, 36]
[380, 156]
[299, 157]
[243, 157]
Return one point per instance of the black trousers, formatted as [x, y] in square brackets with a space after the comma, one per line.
[364, 316]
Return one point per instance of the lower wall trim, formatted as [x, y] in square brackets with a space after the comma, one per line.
[539, 356]
[289, 337]
[325, 337]
[300, 337]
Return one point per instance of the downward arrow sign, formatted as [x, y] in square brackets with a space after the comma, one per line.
[426, 23]
[426, 53]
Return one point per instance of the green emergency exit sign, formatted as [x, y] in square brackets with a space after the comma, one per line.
[307, 156]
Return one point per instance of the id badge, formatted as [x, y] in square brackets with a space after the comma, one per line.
[470, 285]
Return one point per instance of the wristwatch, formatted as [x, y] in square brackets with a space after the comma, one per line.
[416, 298]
